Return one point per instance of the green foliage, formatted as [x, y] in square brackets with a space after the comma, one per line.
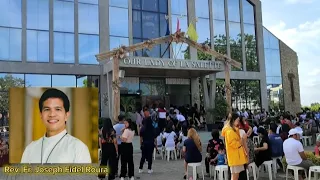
[128, 104]
[312, 107]
[310, 156]
[220, 110]
[6, 83]
[85, 83]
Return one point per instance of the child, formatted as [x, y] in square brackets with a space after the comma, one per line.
[221, 157]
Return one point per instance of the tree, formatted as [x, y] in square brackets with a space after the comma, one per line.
[7, 82]
[244, 92]
[85, 83]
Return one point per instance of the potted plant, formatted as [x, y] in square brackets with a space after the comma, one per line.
[215, 115]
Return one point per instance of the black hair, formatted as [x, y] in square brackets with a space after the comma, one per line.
[54, 93]
[184, 130]
[215, 134]
[285, 128]
[233, 118]
[131, 126]
[220, 148]
[262, 131]
[297, 124]
[273, 127]
[169, 129]
[107, 128]
[121, 118]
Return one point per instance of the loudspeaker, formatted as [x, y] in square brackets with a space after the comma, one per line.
[121, 73]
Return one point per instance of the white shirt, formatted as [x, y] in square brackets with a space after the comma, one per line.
[255, 130]
[245, 114]
[278, 129]
[159, 140]
[291, 149]
[180, 118]
[242, 133]
[183, 138]
[68, 150]
[169, 139]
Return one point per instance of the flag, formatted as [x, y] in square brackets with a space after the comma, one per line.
[168, 29]
[178, 25]
[192, 33]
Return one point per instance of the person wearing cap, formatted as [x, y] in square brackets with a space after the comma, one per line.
[294, 152]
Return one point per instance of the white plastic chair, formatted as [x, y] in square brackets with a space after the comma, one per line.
[168, 151]
[194, 170]
[274, 165]
[155, 153]
[268, 166]
[212, 170]
[315, 170]
[253, 167]
[222, 172]
[295, 169]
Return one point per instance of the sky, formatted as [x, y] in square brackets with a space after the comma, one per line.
[297, 23]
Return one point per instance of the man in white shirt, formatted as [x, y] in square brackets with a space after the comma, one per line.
[118, 128]
[56, 146]
[294, 152]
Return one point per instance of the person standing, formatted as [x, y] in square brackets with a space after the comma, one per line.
[147, 144]
[109, 147]
[234, 146]
[118, 127]
[127, 150]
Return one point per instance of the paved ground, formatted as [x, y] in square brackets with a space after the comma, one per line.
[163, 170]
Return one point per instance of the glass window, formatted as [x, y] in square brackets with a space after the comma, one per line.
[81, 81]
[150, 5]
[250, 47]
[89, 1]
[274, 41]
[218, 9]
[253, 95]
[116, 42]
[152, 86]
[88, 48]
[181, 50]
[202, 8]
[136, 4]
[150, 25]
[38, 14]
[63, 14]
[154, 52]
[236, 54]
[129, 87]
[248, 12]
[118, 26]
[88, 19]
[179, 7]
[273, 64]
[87, 81]
[10, 13]
[203, 30]
[120, 3]
[163, 5]
[220, 37]
[63, 81]
[234, 10]
[38, 80]
[139, 52]
[11, 80]
[64, 47]
[10, 43]
[234, 34]
[163, 25]
[136, 24]
[37, 46]
[266, 38]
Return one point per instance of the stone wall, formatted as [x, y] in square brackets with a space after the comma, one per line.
[289, 69]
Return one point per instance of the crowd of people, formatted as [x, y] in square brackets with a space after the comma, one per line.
[4, 144]
[279, 135]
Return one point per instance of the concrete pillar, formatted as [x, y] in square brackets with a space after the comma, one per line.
[205, 92]
[212, 92]
[195, 91]
[104, 96]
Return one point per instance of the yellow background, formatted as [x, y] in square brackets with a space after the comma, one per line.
[82, 124]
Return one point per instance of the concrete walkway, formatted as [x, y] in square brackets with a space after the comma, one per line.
[163, 170]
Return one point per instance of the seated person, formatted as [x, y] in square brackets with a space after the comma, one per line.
[317, 147]
[192, 149]
[182, 137]
[221, 157]
[294, 152]
[169, 136]
[263, 152]
[212, 149]
[276, 143]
